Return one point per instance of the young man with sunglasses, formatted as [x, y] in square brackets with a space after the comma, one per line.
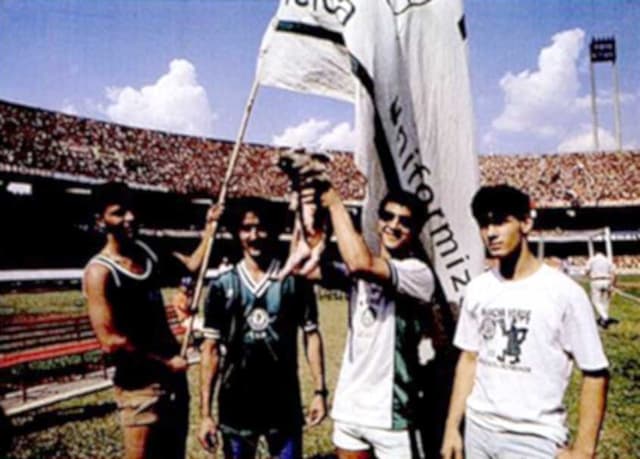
[521, 327]
[388, 290]
[255, 317]
[122, 286]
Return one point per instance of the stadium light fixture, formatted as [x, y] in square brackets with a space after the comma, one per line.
[78, 190]
[202, 201]
[603, 49]
[20, 188]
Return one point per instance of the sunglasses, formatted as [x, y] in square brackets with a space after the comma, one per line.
[386, 216]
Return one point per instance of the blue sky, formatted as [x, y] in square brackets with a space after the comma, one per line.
[187, 66]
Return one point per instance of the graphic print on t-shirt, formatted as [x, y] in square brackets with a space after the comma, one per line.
[259, 323]
[515, 337]
[504, 331]
[369, 306]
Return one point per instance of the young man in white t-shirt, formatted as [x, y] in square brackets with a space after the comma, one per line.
[521, 327]
[377, 392]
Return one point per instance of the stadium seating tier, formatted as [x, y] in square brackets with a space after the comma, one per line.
[40, 142]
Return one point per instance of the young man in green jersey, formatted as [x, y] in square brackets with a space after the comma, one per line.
[251, 328]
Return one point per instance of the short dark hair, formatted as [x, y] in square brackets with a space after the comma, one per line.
[262, 208]
[410, 201]
[110, 193]
[495, 203]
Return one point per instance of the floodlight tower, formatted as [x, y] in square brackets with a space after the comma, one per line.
[604, 50]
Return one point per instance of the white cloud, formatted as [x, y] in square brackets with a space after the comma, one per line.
[341, 137]
[304, 134]
[583, 141]
[539, 101]
[68, 108]
[605, 98]
[176, 102]
[317, 135]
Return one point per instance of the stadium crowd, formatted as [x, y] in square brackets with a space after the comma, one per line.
[46, 143]
[39, 142]
[576, 179]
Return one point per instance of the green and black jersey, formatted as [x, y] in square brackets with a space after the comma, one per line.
[257, 325]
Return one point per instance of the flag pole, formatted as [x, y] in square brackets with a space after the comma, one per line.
[222, 196]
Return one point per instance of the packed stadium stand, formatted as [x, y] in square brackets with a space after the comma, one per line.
[50, 144]
[570, 180]
[49, 161]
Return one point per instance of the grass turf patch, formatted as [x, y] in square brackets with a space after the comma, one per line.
[87, 427]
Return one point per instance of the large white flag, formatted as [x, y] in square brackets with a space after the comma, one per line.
[303, 49]
[413, 111]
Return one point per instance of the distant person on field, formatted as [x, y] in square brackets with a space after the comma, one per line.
[522, 326]
[602, 277]
[251, 324]
[122, 286]
[224, 264]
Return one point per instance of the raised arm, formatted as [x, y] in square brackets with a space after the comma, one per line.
[192, 262]
[355, 253]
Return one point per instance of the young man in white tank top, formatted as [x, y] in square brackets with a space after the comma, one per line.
[122, 287]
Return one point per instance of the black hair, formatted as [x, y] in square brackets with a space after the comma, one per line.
[111, 193]
[495, 203]
[262, 208]
[410, 201]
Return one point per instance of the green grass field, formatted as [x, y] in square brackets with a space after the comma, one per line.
[87, 427]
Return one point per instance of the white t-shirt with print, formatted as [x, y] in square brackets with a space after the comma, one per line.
[364, 392]
[526, 334]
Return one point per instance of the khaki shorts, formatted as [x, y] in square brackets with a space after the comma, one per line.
[139, 407]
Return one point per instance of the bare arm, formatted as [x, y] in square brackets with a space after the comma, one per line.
[463, 383]
[95, 281]
[593, 402]
[315, 358]
[96, 278]
[359, 259]
[192, 262]
[209, 365]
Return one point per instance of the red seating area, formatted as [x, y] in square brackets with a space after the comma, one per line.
[28, 339]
